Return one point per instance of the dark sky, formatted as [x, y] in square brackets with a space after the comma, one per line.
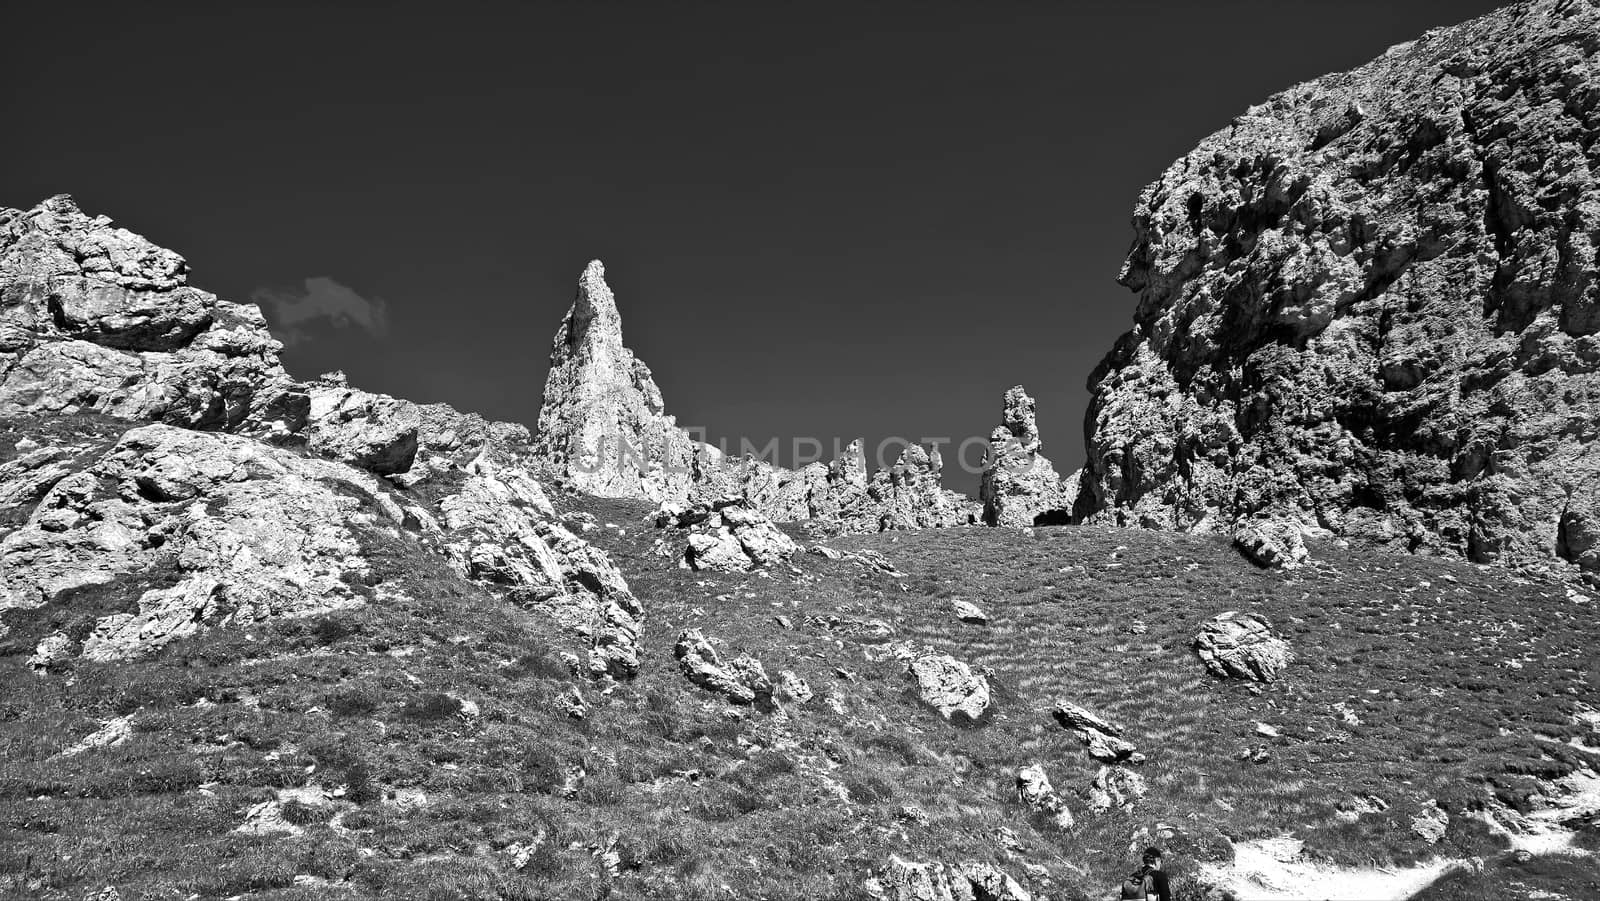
[820, 220]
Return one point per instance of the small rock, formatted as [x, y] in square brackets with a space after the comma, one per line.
[1102, 738]
[1430, 824]
[1035, 790]
[968, 612]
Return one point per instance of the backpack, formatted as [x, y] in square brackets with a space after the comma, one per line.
[1138, 886]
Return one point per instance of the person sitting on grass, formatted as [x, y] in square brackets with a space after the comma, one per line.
[1147, 883]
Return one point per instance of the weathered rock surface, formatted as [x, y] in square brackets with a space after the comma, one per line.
[1020, 486]
[233, 530]
[1370, 305]
[96, 318]
[903, 880]
[1103, 739]
[743, 680]
[371, 431]
[1242, 646]
[950, 686]
[1035, 790]
[603, 425]
[502, 531]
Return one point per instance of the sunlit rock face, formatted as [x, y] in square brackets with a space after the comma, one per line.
[1369, 306]
[603, 425]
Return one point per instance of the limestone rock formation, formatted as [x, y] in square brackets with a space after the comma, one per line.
[603, 425]
[742, 680]
[501, 531]
[1020, 486]
[911, 495]
[1243, 646]
[96, 318]
[1370, 305]
[950, 686]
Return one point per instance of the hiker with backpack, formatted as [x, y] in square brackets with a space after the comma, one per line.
[1147, 883]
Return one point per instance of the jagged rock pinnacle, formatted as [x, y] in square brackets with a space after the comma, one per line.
[1020, 486]
[603, 424]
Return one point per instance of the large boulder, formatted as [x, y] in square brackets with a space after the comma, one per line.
[950, 686]
[1020, 486]
[1370, 305]
[96, 318]
[1242, 646]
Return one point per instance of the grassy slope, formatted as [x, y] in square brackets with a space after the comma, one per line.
[699, 800]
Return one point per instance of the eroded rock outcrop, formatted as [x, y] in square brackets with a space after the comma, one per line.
[1035, 790]
[96, 318]
[728, 535]
[1370, 305]
[1020, 485]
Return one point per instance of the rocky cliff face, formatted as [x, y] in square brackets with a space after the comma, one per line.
[603, 430]
[169, 459]
[1369, 306]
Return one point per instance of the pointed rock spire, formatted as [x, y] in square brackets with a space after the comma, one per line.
[602, 425]
[1020, 485]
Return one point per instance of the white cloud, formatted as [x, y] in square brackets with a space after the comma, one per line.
[291, 312]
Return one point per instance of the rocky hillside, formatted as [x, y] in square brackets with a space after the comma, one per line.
[1368, 306]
